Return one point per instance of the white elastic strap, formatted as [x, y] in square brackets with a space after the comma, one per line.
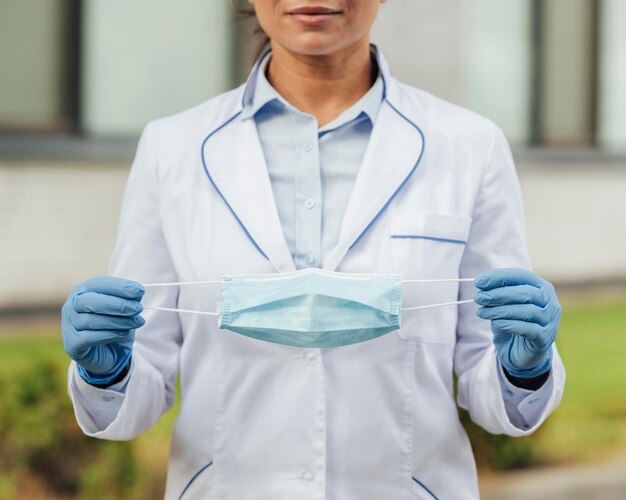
[206, 313]
[187, 283]
[448, 280]
[182, 283]
[436, 305]
[189, 311]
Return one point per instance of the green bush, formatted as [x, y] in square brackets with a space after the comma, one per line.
[43, 450]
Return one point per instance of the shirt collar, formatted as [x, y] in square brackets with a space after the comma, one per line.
[264, 93]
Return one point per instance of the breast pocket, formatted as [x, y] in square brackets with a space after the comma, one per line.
[428, 245]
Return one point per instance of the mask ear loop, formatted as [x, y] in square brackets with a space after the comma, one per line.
[206, 313]
[181, 283]
[414, 308]
[440, 280]
[449, 280]
[189, 311]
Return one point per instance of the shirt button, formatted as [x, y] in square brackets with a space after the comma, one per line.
[308, 259]
[309, 203]
[310, 357]
[307, 476]
[307, 146]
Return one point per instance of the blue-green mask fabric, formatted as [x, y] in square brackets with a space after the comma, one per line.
[311, 307]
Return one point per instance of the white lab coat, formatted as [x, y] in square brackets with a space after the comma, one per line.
[436, 197]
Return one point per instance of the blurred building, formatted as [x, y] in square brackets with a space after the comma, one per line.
[80, 79]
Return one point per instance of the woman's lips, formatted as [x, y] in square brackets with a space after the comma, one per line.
[311, 19]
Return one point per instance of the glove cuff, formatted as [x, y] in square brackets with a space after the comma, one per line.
[103, 380]
[544, 366]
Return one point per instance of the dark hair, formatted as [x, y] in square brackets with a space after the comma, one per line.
[249, 15]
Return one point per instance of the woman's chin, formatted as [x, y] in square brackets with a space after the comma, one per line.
[314, 44]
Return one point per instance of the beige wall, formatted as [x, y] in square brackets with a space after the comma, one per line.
[58, 224]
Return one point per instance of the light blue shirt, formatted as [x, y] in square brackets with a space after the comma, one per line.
[312, 170]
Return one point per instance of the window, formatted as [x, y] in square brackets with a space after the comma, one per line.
[550, 72]
[38, 65]
[565, 73]
[107, 67]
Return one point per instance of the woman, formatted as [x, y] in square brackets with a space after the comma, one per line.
[320, 160]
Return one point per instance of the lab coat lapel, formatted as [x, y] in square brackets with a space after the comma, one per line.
[393, 153]
[234, 162]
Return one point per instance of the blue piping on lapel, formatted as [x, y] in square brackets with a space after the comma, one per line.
[245, 97]
[419, 159]
[206, 171]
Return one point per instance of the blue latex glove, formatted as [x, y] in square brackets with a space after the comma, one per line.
[524, 312]
[98, 326]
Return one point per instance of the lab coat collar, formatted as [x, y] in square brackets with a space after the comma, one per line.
[261, 93]
[256, 95]
[249, 86]
[233, 160]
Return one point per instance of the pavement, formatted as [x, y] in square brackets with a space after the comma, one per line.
[598, 481]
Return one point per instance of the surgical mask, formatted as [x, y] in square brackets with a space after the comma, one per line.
[310, 307]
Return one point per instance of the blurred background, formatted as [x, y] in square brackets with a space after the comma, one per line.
[80, 79]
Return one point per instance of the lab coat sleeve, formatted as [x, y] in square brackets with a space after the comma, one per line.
[98, 407]
[497, 239]
[131, 407]
[524, 406]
